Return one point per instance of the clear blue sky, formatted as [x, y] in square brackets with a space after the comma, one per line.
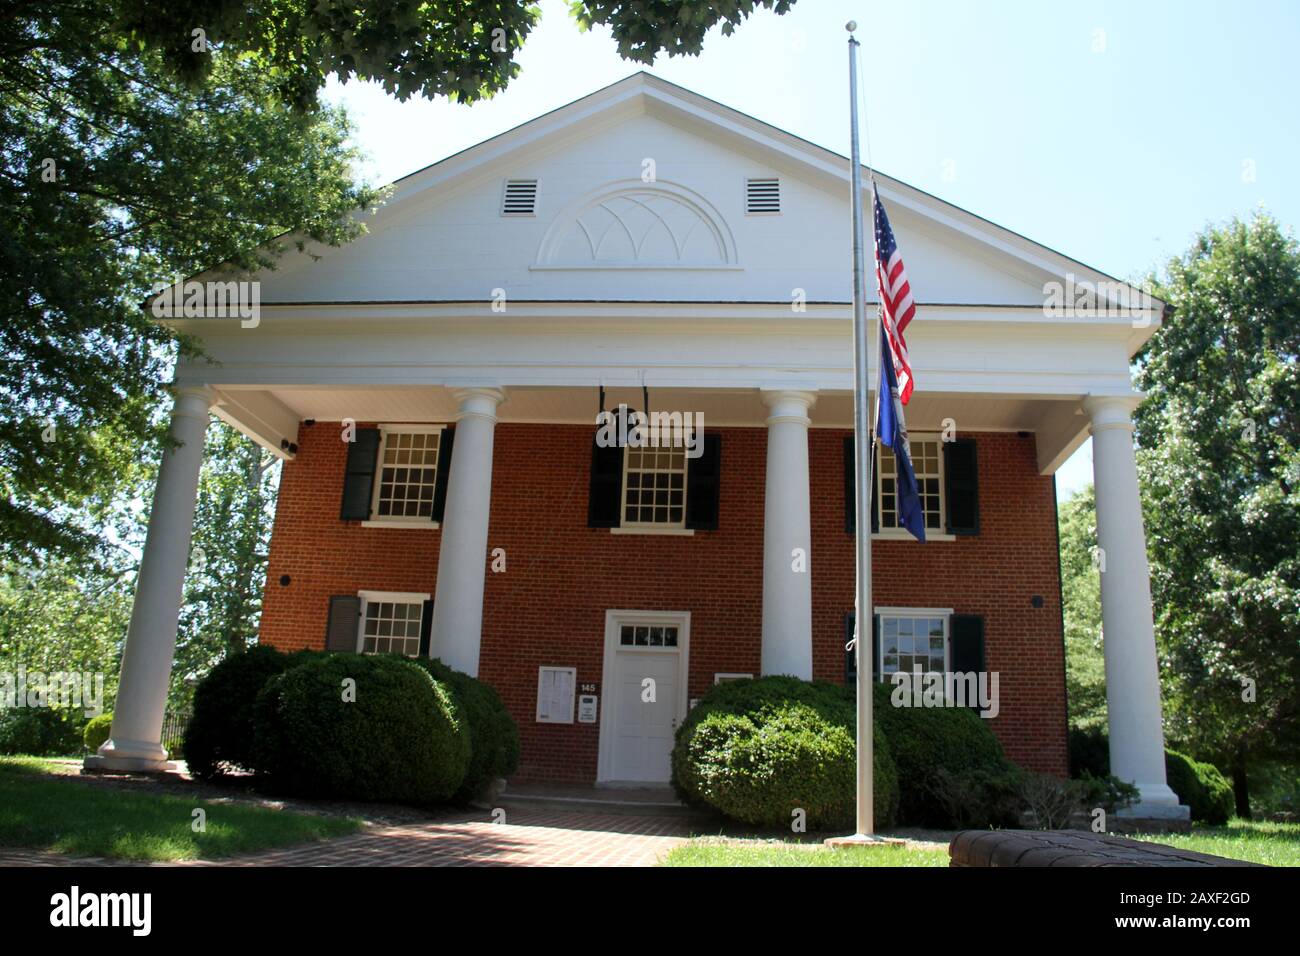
[1110, 131]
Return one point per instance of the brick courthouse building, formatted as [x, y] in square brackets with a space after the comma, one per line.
[433, 388]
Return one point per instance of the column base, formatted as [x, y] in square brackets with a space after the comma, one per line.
[129, 756]
[1156, 802]
[863, 839]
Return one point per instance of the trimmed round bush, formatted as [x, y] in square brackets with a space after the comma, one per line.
[758, 750]
[944, 755]
[40, 731]
[97, 731]
[357, 727]
[1201, 786]
[493, 734]
[220, 732]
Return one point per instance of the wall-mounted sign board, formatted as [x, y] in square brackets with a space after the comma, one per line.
[555, 686]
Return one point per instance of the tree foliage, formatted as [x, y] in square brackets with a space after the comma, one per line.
[465, 51]
[114, 175]
[1085, 671]
[232, 536]
[1219, 439]
[646, 28]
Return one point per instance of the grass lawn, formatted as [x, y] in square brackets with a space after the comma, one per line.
[43, 810]
[1275, 844]
[710, 851]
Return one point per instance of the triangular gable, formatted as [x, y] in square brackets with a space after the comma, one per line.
[931, 221]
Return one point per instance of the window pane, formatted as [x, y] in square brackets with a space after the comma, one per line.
[408, 476]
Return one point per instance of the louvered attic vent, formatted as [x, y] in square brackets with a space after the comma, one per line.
[763, 196]
[520, 198]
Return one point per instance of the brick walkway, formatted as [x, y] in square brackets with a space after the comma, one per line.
[526, 838]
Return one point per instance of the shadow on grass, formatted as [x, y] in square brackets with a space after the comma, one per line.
[44, 811]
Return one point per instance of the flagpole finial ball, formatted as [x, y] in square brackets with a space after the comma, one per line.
[851, 25]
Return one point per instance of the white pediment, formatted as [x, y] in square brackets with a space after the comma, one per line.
[632, 224]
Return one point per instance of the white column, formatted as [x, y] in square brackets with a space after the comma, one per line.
[462, 558]
[135, 742]
[1137, 751]
[787, 538]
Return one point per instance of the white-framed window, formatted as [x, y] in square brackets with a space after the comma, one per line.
[654, 487]
[633, 636]
[390, 622]
[407, 474]
[911, 637]
[927, 463]
[724, 678]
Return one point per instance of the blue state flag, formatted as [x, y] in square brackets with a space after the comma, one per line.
[892, 430]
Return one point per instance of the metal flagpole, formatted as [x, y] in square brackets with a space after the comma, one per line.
[863, 471]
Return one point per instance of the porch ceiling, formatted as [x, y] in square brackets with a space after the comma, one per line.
[270, 416]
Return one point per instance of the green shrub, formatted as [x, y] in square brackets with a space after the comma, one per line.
[939, 751]
[220, 732]
[757, 750]
[1201, 786]
[40, 731]
[399, 737]
[975, 798]
[493, 734]
[1108, 792]
[97, 731]
[1089, 753]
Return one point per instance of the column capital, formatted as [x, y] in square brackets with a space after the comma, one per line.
[788, 405]
[192, 400]
[1112, 411]
[479, 402]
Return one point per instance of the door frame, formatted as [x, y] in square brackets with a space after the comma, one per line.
[614, 619]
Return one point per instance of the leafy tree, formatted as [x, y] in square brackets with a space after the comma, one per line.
[1085, 670]
[1219, 440]
[465, 51]
[115, 175]
[67, 615]
[63, 617]
[647, 28]
[144, 139]
[232, 535]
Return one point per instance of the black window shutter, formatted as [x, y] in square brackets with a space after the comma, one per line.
[426, 629]
[850, 504]
[961, 486]
[966, 650]
[605, 489]
[445, 442]
[704, 485]
[344, 619]
[850, 658]
[359, 475]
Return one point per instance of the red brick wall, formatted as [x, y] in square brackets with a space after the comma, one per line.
[548, 608]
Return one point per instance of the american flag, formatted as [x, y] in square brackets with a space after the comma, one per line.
[897, 307]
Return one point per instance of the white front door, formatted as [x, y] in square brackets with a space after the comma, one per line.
[645, 696]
